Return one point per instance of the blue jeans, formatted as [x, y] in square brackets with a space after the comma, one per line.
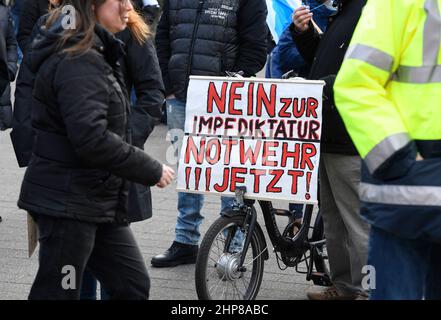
[405, 269]
[189, 204]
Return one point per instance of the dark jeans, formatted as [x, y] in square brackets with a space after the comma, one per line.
[404, 269]
[109, 251]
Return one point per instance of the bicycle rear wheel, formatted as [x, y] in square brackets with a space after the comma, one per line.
[217, 275]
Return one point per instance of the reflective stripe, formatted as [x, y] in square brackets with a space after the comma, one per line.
[385, 149]
[371, 55]
[428, 74]
[432, 33]
[400, 195]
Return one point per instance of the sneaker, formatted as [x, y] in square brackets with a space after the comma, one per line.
[177, 254]
[330, 293]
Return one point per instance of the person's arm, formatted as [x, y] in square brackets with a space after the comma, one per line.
[143, 67]
[82, 91]
[11, 49]
[252, 31]
[163, 49]
[370, 116]
[28, 18]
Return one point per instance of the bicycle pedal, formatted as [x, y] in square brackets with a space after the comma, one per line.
[281, 212]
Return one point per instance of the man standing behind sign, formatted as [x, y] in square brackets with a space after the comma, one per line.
[203, 37]
[346, 233]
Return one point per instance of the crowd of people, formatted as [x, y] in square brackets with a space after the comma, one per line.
[88, 97]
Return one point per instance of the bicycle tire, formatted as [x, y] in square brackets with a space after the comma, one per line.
[202, 263]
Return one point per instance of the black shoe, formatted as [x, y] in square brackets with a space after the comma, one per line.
[177, 254]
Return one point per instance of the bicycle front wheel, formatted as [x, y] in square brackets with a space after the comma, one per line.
[217, 274]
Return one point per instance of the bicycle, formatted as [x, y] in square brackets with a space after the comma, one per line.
[237, 269]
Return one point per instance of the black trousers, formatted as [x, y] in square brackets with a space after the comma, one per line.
[109, 251]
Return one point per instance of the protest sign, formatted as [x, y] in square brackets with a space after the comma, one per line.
[259, 133]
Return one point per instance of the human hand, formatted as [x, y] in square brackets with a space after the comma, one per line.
[167, 176]
[171, 96]
[301, 18]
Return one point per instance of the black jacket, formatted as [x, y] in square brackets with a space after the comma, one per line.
[140, 68]
[325, 54]
[208, 37]
[8, 65]
[141, 72]
[82, 158]
[22, 134]
[32, 10]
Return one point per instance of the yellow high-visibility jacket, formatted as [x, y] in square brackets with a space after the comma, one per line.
[388, 92]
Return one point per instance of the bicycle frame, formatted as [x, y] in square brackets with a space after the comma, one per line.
[295, 247]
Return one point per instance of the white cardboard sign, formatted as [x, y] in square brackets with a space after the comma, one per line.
[260, 133]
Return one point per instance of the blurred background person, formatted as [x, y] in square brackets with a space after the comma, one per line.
[286, 59]
[8, 64]
[31, 11]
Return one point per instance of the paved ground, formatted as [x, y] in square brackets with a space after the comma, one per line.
[154, 236]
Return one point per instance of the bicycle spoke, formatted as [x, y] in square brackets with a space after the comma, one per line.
[256, 257]
[219, 282]
[240, 295]
[212, 272]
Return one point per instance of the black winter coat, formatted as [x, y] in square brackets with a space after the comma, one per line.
[82, 158]
[325, 54]
[208, 37]
[32, 10]
[22, 134]
[141, 71]
[8, 65]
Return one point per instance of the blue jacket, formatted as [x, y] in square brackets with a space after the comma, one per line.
[285, 56]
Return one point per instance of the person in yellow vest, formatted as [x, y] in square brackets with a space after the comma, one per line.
[388, 93]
